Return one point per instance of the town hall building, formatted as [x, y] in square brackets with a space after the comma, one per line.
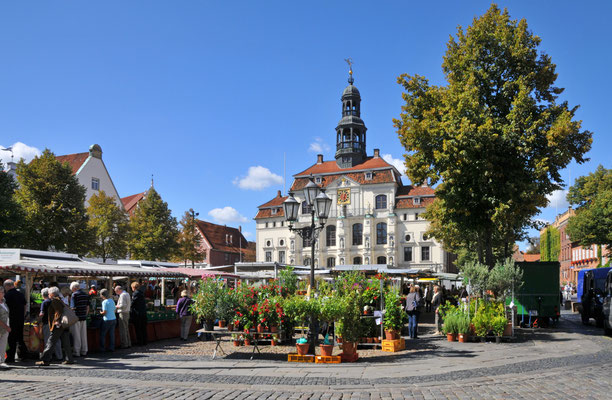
[374, 219]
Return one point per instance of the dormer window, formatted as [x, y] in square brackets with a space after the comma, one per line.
[368, 176]
[416, 201]
[318, 179]
[274, 211]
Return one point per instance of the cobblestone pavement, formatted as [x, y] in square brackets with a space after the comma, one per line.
[569, 362]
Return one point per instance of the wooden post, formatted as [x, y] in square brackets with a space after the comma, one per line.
[163, 291]
[28, 290]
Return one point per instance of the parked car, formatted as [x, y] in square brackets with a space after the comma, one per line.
[607, 304]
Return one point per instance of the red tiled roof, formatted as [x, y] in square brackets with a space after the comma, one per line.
[267, 213]
[330, 167]
[384, 176]
[277, 201]
[413, 191]
[74, 160]
[531, 257]
[215, 235]
[130, 202]
[409, 203]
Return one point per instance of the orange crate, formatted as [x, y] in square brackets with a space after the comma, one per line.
[328, 359]
[349, 357]
[393, 345]
[294, 357]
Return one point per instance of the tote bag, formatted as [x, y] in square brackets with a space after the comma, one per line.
[69, 318]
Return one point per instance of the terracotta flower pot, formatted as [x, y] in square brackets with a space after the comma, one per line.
[463, 337]
[302, 348]
[339, 339]
[349, 347]
[230, 327]
[237, 343]
[260, 328]
[221, 323]
[391, 335]
[326, 349]
[376, 340]
[247, 342]
[273, 342]
[451, 337]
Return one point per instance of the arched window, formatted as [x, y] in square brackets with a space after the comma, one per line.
[357, 234]
[307, 261]
[381, 260]
[330, 235]
[357, 260]
[381, 233]
[381, 202]
[331, 262]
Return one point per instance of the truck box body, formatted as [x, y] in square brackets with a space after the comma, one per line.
[540, 293]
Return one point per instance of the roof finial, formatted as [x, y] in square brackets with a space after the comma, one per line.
[349, 61]
[151, 180]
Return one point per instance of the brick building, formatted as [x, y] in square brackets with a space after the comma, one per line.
[223, 245]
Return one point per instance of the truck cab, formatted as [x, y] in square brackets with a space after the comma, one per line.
[607, 304]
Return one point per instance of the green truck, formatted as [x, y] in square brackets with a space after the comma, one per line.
[537, 301]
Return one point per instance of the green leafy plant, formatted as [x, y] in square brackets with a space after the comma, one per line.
[204, 305]
[349, 326]
[450, 324]
[395, 317]
[498, 325]
[463, 324]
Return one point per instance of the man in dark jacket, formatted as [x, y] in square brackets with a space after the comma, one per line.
[139, 314]
[16, 303]
[58, 332]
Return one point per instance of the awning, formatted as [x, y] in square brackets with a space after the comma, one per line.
[83, 268]
[195, 273]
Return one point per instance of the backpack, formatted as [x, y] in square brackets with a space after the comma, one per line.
[69, 318]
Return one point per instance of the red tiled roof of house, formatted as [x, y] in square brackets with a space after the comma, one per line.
[331, 167]
[412, 191]
[218, 237]
[74, 160]
[277, 201]
[267, 213]
[409, 202]
[531, 257]
[130, 202]
[384, 176]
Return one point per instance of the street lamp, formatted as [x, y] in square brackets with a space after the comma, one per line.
[320, 204]
[193, 216]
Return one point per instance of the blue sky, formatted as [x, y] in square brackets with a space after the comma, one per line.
[204, 94]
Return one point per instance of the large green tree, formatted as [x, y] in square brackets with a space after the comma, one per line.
[153, 229]
[11, 215]
[53, 201]
[495, 135]
[592, 196]
[109, 224]
[190, 241]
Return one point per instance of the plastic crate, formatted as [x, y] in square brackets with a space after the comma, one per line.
[393, 345]
[293, 357]
[349, 357]
[328, 359]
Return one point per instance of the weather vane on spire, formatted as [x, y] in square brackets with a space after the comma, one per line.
[349, 61]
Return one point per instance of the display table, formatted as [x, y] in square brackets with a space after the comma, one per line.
[219, 333]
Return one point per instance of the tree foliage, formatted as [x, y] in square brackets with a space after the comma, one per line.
[494, 136]
[189, 239]
[11, 215]
[109, 224]
[153, 229]
[550, 244]
[592, 194]
[53, 201]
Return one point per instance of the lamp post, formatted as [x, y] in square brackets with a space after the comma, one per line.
[193, 216]
[320, 204]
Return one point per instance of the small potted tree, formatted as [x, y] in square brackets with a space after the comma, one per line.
[499, 325]
[331, 311]
[394, 316]
[463, 327]
[205, 302]
[450, 326]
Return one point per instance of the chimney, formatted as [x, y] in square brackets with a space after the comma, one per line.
[376, 153]
[319, 158]
[240, 226]
[95, 151]
[278, 194]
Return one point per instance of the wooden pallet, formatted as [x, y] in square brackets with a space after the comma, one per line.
[393, 345]
[293, 357]
[349, 357]
[328, 359]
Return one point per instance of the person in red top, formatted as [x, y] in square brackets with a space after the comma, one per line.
[92, 291]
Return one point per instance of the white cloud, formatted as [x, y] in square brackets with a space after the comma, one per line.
[319, 146]
[557, 200]
[258, 178]
[226, 215]
[20, 150]
[247, 234]
[396, 162]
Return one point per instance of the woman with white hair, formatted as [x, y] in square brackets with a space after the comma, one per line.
[58, 332]
[5, 329]
[44, 319]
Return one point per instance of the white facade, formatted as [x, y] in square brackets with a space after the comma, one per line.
[95, 177]
[390, 235]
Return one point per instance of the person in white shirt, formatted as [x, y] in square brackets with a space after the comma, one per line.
[124, 305]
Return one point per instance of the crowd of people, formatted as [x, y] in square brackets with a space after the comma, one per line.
[61, 341]
[428, 299]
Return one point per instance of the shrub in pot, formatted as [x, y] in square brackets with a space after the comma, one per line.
[349, 326]
[463, 326]
[394, 316]
[450, 326]
[498, 325]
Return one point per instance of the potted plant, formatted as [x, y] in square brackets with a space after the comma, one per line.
[349, 326]
[463, 327]
[237, 339]
[499, 325]
[301, 310]
[274, 340]
[450, 326]
[204, 305]
[394, 316]
[247, 339]
[331, 311]
[481, 325]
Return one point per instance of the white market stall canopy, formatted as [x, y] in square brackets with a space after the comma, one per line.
[20, 261]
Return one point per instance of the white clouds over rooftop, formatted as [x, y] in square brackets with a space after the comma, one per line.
[258, 178]
[20, 150]
[226, 215]
[319, 146]
[396, 162]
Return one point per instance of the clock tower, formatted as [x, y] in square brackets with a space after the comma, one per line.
[351, 131]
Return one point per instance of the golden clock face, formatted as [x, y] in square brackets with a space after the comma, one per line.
[344, 196]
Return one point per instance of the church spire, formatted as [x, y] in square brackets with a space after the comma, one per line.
[351, 130]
